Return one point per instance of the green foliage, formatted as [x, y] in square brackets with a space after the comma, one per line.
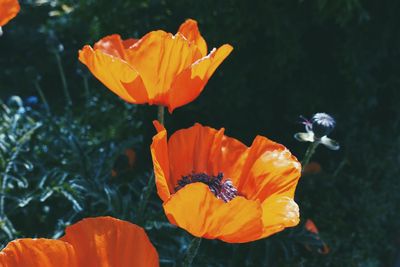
[291, 58]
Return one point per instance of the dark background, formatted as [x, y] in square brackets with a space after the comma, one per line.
[290, 58]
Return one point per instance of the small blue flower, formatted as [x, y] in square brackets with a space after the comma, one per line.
[317, 129]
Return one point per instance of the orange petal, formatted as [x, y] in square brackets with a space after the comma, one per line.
[310, 226]
[38, 253]
[194, 150]
[233, 157]
[279, 212]
[159, 57]
[129, 42]
[191, 81]
[159, 127]
[105, 241]
[195, 209]
[111, 45]
[190, 30]
[269, 169]
[159, 154]
[115, 74]
[9, 9]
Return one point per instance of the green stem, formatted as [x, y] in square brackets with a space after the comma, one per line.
[150, 184]
[160, 114]
[87, 90]
[310, 151]
[42, 97]
[63, 79]
[191, 252]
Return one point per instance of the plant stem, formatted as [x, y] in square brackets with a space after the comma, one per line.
[310, 151]
[191, 252]
[86, 87]
[42, 97]
[63, 79]
[150, 185]
[160, 114]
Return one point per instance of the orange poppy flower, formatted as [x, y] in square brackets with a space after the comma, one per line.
[92, 242]
[320, 246]
[8, 10]
[160, 68]
[214, 186]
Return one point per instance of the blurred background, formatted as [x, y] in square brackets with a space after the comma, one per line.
[72, 149]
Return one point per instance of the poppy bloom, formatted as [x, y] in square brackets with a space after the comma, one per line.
[124, 162]
[216, 187]
[318, 244]
[92, 242]
[312, 168]
[160, 68]
[8, 10]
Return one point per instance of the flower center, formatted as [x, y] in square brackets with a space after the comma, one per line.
[224, 190]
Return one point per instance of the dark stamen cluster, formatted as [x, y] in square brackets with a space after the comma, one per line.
[224, 190]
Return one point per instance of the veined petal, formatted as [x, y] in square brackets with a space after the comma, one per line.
[279, 212]
[195, 209]
[159, 154]
[9, 9]
[269, 169]
[115, 73]
[191, 81]
[159, 57]
[233, 157]
[38, 253]
[108, 242]
[190, 30]
[194, 150]
[113, 45]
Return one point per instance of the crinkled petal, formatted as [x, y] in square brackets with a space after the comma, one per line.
[38, 253]
[190, 82]
[270, 169]
[159, 153]
[233, 157]
[113, 45]
[8, 10]
[106, 242]
[159, 57]
[190, 30]
[115, 74]
[197, 210]
[279, 212]
[194, 150]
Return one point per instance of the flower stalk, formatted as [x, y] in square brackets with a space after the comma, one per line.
[42, 97]
[191, 252]
[63, 79]
[150, 185]
[309, 153]
[160, 114]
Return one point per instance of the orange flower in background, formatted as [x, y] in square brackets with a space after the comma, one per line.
[318, 244]
[160, 68]
[8, 10]
[214, 186]
[92, 242]
[312, 168]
